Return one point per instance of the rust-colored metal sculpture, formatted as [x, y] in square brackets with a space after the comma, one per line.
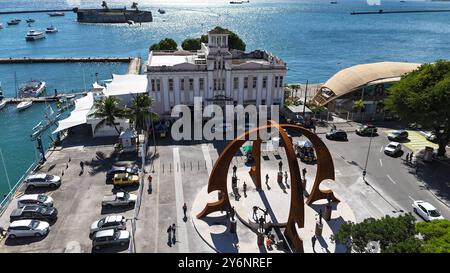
[325, 170]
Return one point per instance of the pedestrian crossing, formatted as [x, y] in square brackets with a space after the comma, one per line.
[416, 142]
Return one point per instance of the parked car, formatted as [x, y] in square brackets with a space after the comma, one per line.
[367, 129]
[125, 179]
[43, 180]
[336, 134]
[119, 199]
[414, 126]
[116, 170]
[36, 212]
[398, 135]
[26, 228]
[427, 211]
[34, 199]
[392, 148]
[110, 237]
[430, 136]
[116, 222]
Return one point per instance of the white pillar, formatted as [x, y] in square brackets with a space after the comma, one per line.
[241, 90]
[258, 90]
[176, 88]
[165, 93]
[270, 88]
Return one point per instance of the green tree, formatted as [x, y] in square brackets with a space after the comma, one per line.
[165, 44]
[108, 110]
[104, 5]
[191, 44]
[139, 112]
[134, 6]
[423, 96]
[436, 236]
[395, 234]
[234, 41]
[358, 106]
[315, 108]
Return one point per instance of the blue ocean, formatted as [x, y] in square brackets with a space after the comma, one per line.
[314, 37]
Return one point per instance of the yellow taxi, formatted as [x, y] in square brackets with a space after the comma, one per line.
[125, 179]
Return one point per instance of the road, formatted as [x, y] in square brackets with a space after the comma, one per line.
[390, 175]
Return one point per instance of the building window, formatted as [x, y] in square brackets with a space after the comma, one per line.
[223, 84]
[254, 82]
[276, 81]
[281, 81]
[235, 83]
[153, 85]
[215, 64]
[191, 84]
[215, 84]
[170, 84]
[246, 82]
[158, 85]
[264, 82]
[182, 84]
[202, 83]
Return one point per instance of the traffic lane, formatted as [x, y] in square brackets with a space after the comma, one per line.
[390, 174]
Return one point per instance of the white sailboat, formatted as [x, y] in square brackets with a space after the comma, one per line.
[3, 102]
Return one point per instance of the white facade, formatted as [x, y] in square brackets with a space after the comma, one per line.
[215, 74]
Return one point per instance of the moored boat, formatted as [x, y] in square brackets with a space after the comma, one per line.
[161, 11]
[51, 29]
[13, 22]
[31, 20]
[32, 88]
[24, 105]
[34, 35]
[54, 14]
[3, 103]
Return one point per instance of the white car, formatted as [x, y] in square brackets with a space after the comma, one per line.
[392, 148]
[426, 210]
[26, 228]
[117, 222]
[43, 180]
[34, 199]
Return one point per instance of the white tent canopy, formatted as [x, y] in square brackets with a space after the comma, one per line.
[79, 114]
[126, 84]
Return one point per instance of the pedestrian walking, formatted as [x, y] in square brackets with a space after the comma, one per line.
[255, 214]
[410, 157]
[267, 178]
[304, 173]
[169, 234]
[280, 165]
[82, 167]
[313, 239]
[234, 170]
[285, 177]
[244, 186]
[407, 157]
[174, 239]
[185, 210]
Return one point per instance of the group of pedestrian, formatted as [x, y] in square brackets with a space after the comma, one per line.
[171, 234]
[409, 157]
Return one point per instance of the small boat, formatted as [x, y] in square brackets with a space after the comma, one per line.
[34, 35]
[54, 14]
[1, 26]
[31, 20]
[51, 29]
[333, 2]
[32, 89]
[13, 22]
[1, 92]
[161, 11]
[3, 104]
[24, 105]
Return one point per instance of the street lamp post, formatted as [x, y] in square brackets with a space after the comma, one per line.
[368, 152]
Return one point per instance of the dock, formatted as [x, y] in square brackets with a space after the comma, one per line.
[12, 60]
[44, 99]
[35, 11]
[396, 11]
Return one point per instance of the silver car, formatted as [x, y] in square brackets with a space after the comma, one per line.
[26, 228]
[43, 180]
[110, 237]
[34, 199]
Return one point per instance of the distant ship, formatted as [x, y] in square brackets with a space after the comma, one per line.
[112, 16]
[239, 2]
[333, 2]
[34, 35]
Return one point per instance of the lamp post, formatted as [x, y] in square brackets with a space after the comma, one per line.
[6, 171]
[368, 152]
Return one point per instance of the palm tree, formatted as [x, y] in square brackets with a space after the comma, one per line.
[108, 110]
[140, 112]
[104, 5]
[134, 6]
[358, 106]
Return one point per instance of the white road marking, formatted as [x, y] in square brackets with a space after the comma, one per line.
[157, 204]
[409, 196]
[381, 163]
[390, 178]
[179, 201]
[381, 149]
